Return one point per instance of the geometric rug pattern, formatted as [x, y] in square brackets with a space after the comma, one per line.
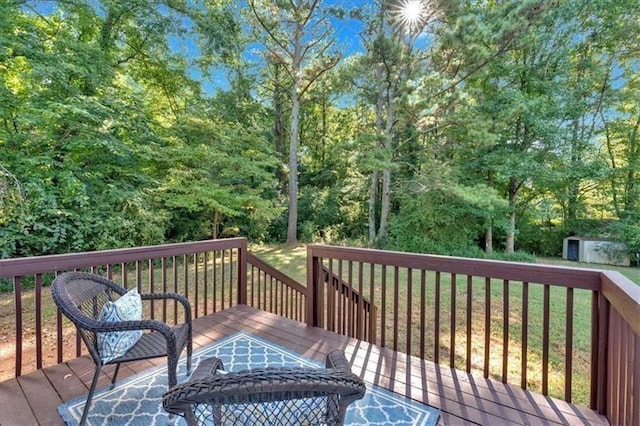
[137, 400]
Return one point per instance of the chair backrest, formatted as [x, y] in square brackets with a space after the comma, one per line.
[80, 296]
[277, 395]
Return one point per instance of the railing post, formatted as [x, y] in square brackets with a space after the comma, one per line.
[603, 343]
[314, 289]
[242, 272]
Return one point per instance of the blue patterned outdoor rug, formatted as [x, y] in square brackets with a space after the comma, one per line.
[137, 400]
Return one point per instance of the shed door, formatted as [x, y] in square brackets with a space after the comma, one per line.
[573, 250]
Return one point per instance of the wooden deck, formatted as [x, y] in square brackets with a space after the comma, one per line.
[463, 399]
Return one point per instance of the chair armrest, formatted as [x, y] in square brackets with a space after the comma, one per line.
[175, 296]
[153, 325]
[207, 368]
[338, 361]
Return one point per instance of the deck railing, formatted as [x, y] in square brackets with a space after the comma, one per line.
[213, 275]
[270, 290]
[353, 315]
[566, 332]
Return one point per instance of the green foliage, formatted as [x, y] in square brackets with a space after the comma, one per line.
[541, 240]
[107, 138]
[627, 231]
[445, 219]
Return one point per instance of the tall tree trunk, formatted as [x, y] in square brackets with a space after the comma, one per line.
[488, 234]
[511, 231]
[488, 239]
[373, 198]
[292, 229]
[325, 129]
[279, 126]
[386, 173]
[573, 184]
[633, 159]
[375, 175]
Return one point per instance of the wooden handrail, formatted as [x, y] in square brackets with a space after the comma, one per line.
[62, 262]
[274, 291]
[344, 289]
[624, 295]
[254, 260]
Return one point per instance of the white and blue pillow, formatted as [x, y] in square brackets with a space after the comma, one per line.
[114, 344]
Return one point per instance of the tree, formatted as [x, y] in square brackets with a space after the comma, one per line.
[297, 36]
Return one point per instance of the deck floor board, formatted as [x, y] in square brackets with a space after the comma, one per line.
[463, 398]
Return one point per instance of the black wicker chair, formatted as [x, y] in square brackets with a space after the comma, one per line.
[267, 396]
[80, 297]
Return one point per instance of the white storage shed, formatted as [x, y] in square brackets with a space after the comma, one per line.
[595, 250]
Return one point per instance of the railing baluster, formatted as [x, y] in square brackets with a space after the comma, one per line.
[124, 275]
[280, 301]
[545, 341]
[38, 318]
[17, 303]
[253, 288]
[383, 322]
[436, 324]
[331, 315]
[205, 279]
[487, 326]
[569, 347]
[505, 330]
[409, 305]
[222, 280]
[268, 303]
[635, 369]
[396, 289]
[164, 288]
[423, 298]
[349, 300]
[230, 284]
[138, 276]
[185, 272]
[214, 289]
[59, 339]
[372, 315]
[341, 301]
[151, 286]
[196, 285]
[469, 319]
[361, 315]
[525, 334]
[452, 350]
[176, 288]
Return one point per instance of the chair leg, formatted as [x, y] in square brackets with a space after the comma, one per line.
[189, 353]
[87, 403]
[172, 367]
[115, 376]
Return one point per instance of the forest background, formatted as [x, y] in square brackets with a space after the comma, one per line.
[473, 128]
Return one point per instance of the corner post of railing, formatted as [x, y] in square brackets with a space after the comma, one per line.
[603, 347]
[242, 272]
[314, 289]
